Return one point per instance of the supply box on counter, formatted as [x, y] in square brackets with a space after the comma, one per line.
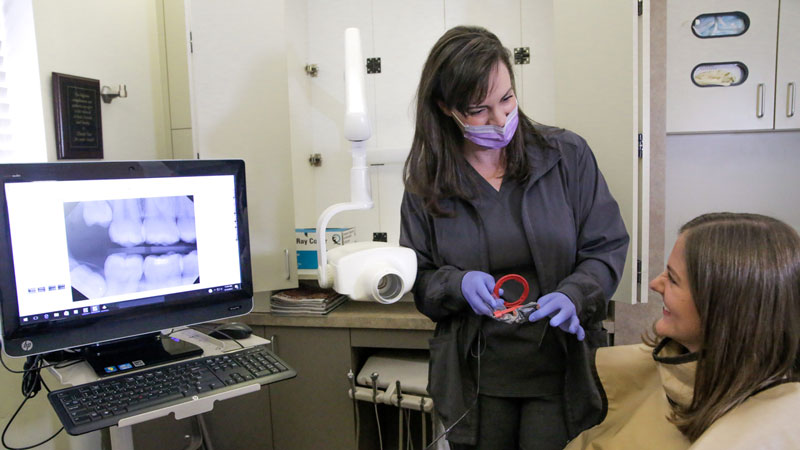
[306, 239]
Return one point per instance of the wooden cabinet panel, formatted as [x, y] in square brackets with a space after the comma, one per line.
[165, 433]
[410, 339]
[241, 423]
[236, 423]
[313, 409]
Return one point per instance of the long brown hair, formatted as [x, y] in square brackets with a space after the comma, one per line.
[744, 277]
[456, 74]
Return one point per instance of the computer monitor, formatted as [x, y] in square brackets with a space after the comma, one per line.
[98, 253]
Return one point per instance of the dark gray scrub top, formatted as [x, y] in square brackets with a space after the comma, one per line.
[519, 360]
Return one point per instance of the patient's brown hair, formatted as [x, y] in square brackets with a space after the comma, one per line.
[744, 277]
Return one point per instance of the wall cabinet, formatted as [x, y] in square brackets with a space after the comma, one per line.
[787, 115]
[582, 73]
[724, 78]
[239, 95]
[177, 73]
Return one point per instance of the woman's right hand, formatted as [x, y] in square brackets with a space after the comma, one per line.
[477, 289]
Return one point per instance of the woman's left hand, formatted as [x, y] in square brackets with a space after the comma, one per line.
[563, 313]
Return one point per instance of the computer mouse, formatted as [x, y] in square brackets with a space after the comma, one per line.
[233, 330]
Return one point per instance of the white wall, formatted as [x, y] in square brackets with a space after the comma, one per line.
[117, 43]
[739, 172]
[24, 95]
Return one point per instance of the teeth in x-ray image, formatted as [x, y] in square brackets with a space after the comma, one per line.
[190, 270]
[160, 221]
[160, 226]
[169, 270]
[126, 227]
[123, 273]
[131, 245]
[133, 273]
[97, 213]
[162, 271]
[88, 282]
[184, 211]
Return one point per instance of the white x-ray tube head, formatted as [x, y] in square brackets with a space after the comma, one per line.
[373, 271]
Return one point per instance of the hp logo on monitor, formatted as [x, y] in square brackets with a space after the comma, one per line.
[27, 346]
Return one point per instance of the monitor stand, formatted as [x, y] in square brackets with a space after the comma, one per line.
[135, 353]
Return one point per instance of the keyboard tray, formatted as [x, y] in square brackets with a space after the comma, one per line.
[166, 389]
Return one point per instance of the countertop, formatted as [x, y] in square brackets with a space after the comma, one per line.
[402, 315]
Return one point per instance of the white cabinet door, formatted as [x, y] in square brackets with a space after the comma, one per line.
[501, 17]
[404, 33]
[538, 76]
[597, 76]
[746, 106]
[787, 110]
[326, 22]
[240, 110]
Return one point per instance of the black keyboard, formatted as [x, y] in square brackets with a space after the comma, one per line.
[103, 403]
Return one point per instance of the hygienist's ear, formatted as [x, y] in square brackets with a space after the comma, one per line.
[447, 111]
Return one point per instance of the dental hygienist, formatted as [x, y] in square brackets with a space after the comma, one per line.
[490, 193]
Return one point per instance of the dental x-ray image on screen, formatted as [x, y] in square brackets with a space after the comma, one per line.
[130, 245]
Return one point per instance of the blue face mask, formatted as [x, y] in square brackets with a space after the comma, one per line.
[492, 136]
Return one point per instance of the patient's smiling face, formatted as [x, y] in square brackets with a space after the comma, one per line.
[680, 320]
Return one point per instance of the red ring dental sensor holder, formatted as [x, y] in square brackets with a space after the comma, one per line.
[511, 306]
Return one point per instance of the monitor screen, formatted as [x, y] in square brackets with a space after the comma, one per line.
[99, 251]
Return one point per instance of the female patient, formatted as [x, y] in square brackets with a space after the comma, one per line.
[724, 369]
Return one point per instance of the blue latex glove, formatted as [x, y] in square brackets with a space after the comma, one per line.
[562, 310]
[477, 289]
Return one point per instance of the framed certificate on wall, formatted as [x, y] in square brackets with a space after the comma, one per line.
[76, 107]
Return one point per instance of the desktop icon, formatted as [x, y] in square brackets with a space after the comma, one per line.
[66, 313]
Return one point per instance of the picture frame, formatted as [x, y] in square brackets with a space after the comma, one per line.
[78, 120]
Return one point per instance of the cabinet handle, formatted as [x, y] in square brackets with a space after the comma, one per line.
[760, 100]
[790, 99]
[288, 268]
